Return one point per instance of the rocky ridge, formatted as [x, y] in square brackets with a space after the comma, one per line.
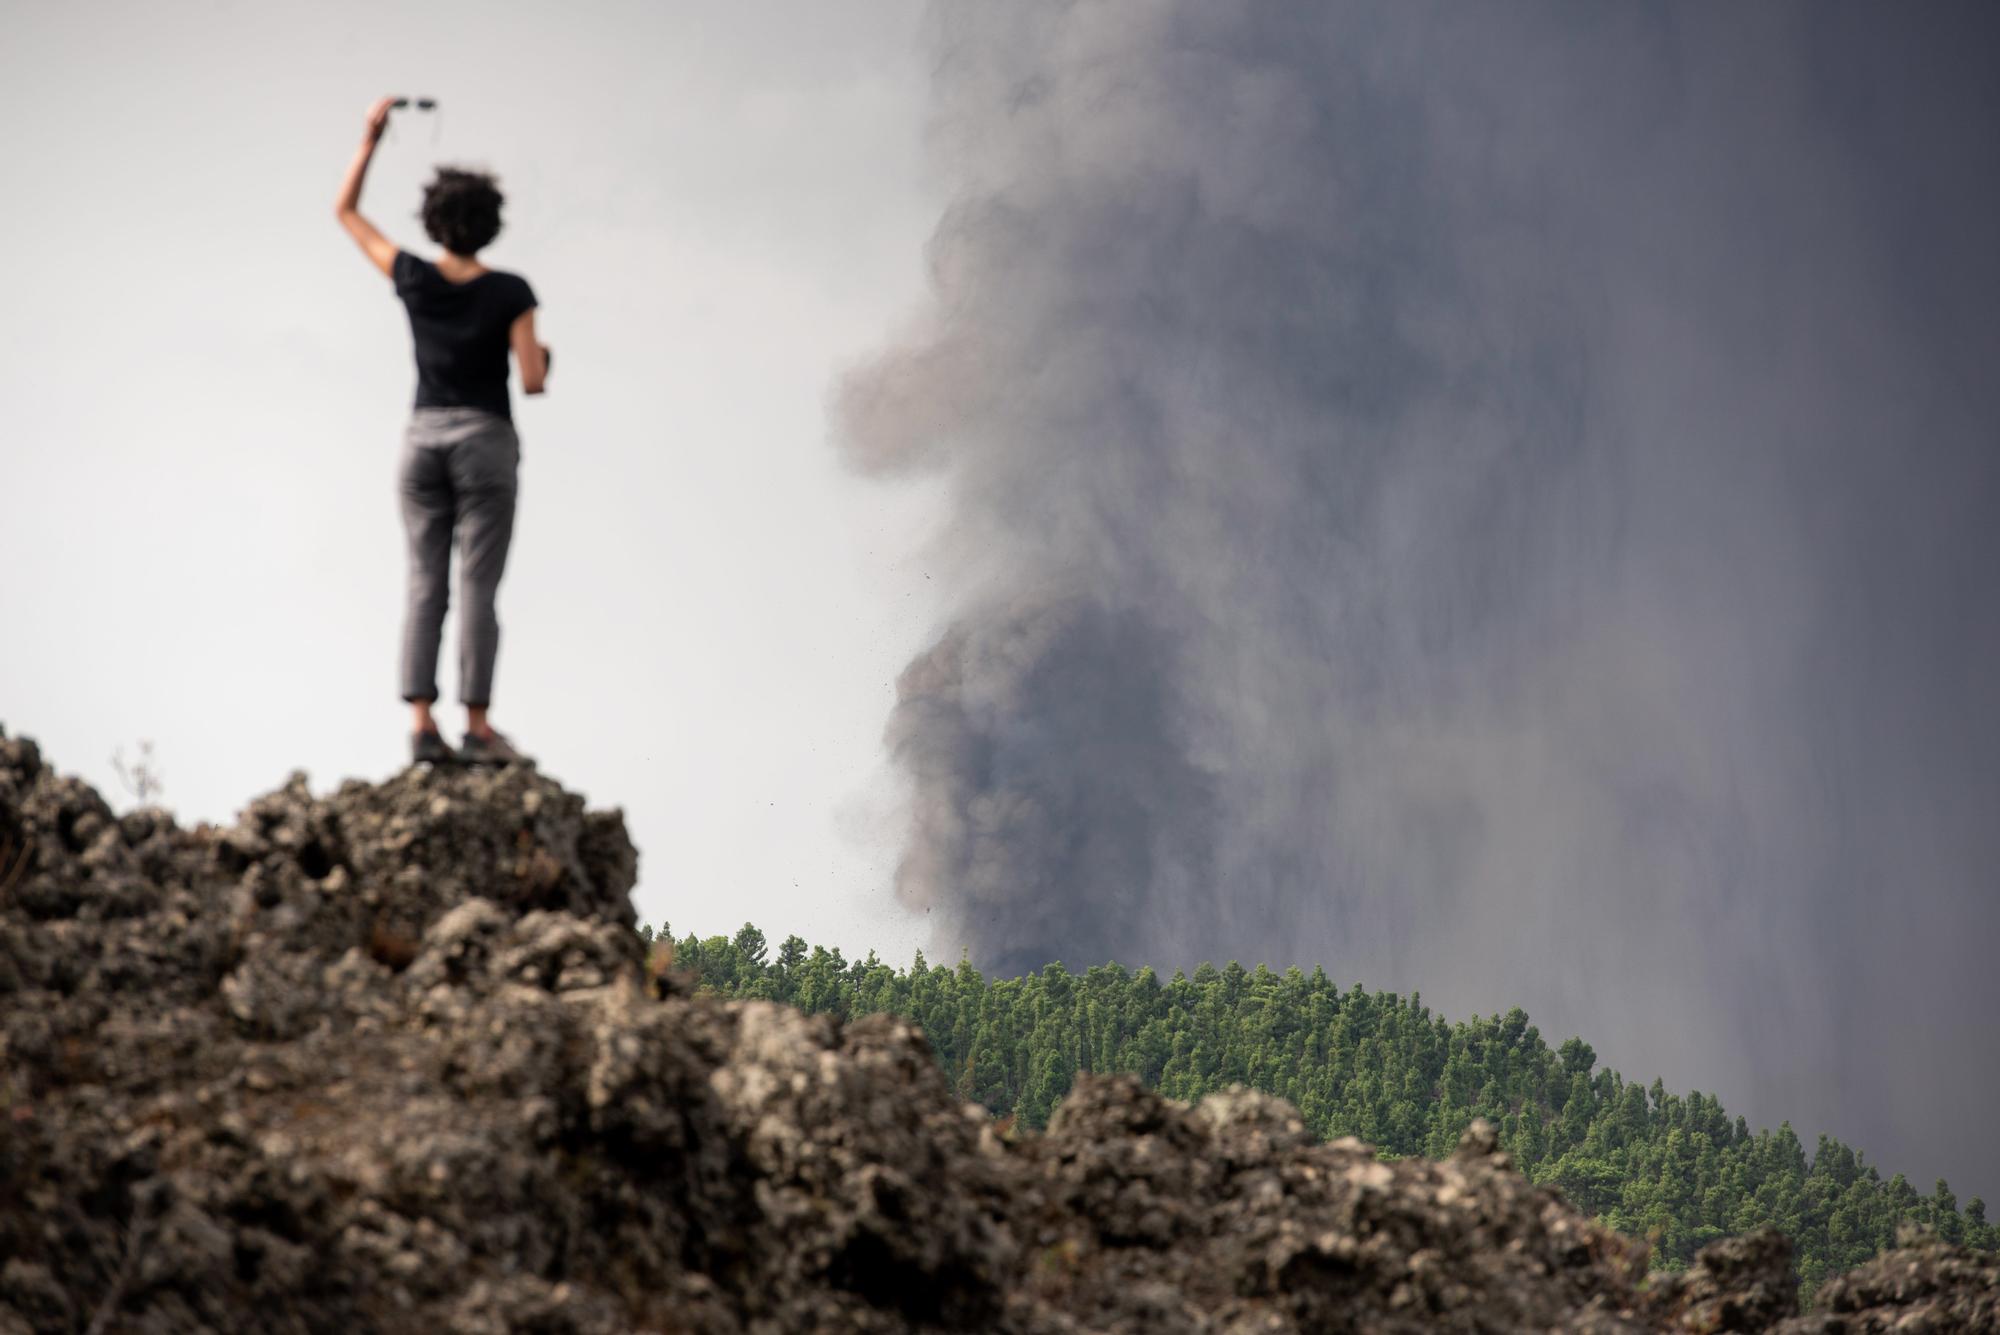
[391, 1059]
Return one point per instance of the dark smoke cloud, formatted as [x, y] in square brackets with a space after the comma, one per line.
[1499, 500]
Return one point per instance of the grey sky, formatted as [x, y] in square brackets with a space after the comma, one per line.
[204, 385]
[1485, 500]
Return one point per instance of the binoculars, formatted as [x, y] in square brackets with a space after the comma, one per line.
[422, 103]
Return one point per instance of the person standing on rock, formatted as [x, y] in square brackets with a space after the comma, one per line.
[460, 453]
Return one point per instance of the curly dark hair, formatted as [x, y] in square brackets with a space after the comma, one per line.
[462, 210]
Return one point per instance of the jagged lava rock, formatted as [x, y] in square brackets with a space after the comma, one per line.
[391, 1059]
[1923, 1287]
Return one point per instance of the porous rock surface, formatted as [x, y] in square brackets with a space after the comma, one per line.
[391, 1059]
[1923, 1286]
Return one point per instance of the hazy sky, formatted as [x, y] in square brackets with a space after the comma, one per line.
[1494, 500]
[204, 382]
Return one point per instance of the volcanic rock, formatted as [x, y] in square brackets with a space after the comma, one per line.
[393, 1059]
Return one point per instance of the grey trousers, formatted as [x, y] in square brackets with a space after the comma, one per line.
[457, 478]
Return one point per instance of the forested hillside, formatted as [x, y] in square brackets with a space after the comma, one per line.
[1675, 1168]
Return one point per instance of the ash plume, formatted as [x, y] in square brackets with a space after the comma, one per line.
[1499, 500]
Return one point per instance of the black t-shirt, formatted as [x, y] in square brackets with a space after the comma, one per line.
[461, 333]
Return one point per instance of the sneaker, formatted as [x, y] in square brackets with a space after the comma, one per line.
[428, 748]
[492, 749]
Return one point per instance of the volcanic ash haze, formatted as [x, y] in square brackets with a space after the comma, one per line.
[1494, 500]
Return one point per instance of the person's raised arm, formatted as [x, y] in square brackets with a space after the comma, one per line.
[532, 357]
[379, 249]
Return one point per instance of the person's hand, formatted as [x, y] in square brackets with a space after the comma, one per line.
[378, 117]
